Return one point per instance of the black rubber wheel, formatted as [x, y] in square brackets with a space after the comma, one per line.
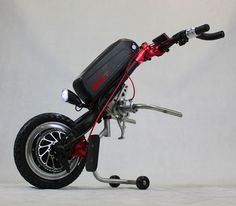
[114, 184]
[142, 182]
[34, 158]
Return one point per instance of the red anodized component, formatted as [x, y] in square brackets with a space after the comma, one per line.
[79, 148]
[147, 51]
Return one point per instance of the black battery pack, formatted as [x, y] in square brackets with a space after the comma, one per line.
[98, 77]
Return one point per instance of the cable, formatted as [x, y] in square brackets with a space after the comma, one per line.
[133, 86]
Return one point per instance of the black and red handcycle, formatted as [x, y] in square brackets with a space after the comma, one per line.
[51, 150]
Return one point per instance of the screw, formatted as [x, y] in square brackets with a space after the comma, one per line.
[134, 46]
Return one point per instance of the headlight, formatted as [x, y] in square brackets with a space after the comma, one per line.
[65, 95]
[71, 97]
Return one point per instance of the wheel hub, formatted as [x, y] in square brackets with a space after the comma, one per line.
[45, 151]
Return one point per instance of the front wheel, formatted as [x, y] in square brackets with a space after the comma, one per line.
[34, 158]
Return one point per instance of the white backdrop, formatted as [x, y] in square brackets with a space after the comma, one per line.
[44, 45]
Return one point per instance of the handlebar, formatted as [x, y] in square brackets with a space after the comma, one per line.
[182, 37]
[211, 36]
[200, 33]
[162, 43]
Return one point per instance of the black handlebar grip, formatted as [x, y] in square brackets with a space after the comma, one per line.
[202, 29]
[212, 36]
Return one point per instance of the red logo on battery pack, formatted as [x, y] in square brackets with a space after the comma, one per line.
[98, 82]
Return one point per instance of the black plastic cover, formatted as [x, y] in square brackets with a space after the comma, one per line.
[98, 77]
[161, 38]
[92, 153]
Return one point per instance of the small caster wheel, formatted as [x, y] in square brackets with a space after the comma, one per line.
[114, 184]
[142, 182]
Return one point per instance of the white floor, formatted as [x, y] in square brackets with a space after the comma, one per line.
[103, 195]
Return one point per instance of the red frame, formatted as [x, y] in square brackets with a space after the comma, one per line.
[147, 51]
[80, 148]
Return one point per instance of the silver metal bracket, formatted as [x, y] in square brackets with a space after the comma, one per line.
[122, 126]
[106, 132]
[158, 109]
[135, 107]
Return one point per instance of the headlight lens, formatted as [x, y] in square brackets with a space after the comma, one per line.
[65, 95]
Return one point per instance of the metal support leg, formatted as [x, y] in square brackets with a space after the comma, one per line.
[106, 132]
[141, 182]
[115, 181]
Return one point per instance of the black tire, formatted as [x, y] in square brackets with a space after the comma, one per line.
[114, 184]
[32, 140]
[142, 182]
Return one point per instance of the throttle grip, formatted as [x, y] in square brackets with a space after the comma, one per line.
[201, 29]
